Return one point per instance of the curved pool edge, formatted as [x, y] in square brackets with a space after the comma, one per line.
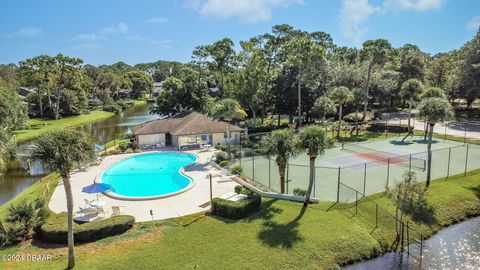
[116, 196]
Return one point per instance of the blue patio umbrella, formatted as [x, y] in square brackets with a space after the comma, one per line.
[96, 188]
[98, 148]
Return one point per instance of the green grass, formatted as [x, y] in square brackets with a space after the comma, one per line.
[35, 191]
[280, 236]
[41, 126]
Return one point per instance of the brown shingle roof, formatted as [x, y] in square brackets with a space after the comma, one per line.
[184, 123]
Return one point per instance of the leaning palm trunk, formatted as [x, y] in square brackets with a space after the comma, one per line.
[311, 180]
[70, 239]
[281, 171]
[367, 86]
[429, 150]
[339, 120]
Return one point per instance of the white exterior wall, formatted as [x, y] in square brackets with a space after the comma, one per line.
[218, 138]
[151, 139]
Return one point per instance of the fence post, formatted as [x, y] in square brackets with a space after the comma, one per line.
[253, 166]
[376, 215]
[403, 234]
[338, 185]
[465, 135]
[314, 179]
[410, 163]
[388, 171]
[364, 179]
[466, 161]
[356, 201]
[445, 135]
[421, 250]
[408, 239]
[240, 150]
[448, 165]
[269, 172]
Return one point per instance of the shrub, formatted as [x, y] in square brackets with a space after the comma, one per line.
[221, 156]
[247, 192]
[29, 215]
[248, 153]
[10, 235]
[238, 189]
[351, 117]
[123, 146]
[112, 108]
[236, 210]
[122, 104]
[55, 228]
[128, 151]
[236, 169]
[138, 150]
[223, 163]
[300, 192]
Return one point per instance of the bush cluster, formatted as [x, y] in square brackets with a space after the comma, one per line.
[237, 210]
[236, 169]
[221, 156]
[55, 228]
[300, 192]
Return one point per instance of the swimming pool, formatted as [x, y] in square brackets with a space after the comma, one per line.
[149, 176]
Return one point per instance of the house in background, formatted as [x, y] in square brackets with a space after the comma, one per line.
[186, 130]
[157, 88]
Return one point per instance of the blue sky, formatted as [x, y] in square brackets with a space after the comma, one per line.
[107, 31]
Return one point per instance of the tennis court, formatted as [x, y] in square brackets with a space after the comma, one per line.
[356, 169]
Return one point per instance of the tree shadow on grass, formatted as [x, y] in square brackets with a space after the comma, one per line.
[400, 142]
[266, 212]
[275, 234]
[424, 215]
[475, 190]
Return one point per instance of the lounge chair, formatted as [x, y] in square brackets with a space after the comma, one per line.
[118, 210]
[227, 195]
[87, 204]
[99, 210]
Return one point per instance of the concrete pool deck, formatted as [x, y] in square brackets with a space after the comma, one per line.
[191, 201]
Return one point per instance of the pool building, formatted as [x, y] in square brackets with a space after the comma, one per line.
[185, 130]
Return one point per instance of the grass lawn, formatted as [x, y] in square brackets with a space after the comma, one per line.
[280, 236]
[41, 126]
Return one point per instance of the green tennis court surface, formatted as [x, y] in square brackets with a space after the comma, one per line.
[358, 169]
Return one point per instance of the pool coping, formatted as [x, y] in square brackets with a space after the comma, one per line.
[116, 196]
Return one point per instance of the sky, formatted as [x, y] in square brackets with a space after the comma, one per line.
[108, 31]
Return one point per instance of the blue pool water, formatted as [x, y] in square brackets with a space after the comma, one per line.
[149, 175]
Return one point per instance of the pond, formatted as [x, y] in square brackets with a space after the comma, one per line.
[16, 181]
[455, 247]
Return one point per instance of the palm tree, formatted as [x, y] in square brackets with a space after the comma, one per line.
[410, 90]
[434, 110]
[340, 95]
[281, 143]
[61, 151]
[433, 92]
[314, 141]
[323, 105]
[358, 98]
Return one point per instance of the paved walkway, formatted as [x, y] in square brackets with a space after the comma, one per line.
[455, 128]
[189, 202]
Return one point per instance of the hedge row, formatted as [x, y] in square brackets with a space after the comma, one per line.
[236, 210]
[55, 228]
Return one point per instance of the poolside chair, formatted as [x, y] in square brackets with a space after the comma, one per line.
[118, 210]
[87, 203]
[99, 210]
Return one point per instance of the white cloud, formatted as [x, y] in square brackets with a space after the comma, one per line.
[157, 20]
[88, 38]
[353, 14]
[27, 32]
[473, 24]
[417, 5]
[120, 28]
[250, 11]
[136, 38]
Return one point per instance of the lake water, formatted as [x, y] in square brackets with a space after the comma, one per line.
[455, 247]
[103, 131]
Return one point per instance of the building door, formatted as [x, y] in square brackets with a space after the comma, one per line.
[168, 139]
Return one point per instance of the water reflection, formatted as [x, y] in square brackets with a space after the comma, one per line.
[101, 132]
[455, 247]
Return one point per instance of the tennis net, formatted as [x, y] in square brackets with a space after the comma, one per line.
[406, 160]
